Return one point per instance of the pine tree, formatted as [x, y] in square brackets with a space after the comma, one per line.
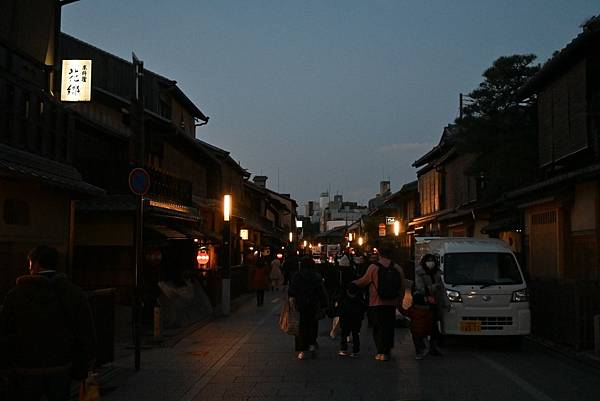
[499, 128]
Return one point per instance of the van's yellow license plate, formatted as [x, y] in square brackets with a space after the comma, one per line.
[471, 326]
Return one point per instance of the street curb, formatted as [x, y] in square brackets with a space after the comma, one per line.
[588, 358]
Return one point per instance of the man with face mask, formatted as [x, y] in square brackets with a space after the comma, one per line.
[429, 291]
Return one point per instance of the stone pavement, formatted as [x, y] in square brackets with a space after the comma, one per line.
[246, 357]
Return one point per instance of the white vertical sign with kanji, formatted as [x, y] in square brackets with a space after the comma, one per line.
[76, 84]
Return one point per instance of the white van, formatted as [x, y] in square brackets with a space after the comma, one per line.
[484, 283]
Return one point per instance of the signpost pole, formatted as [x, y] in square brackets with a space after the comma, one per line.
[139, 183]
[138, 126]
[138, 282]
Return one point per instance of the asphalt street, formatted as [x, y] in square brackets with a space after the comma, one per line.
[246, 357]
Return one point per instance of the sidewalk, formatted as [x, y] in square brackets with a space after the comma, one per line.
[587, 357]
[246, 357]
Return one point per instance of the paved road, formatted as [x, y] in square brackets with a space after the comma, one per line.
[245, 357]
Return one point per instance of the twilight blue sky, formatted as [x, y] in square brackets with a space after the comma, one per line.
[323, 93]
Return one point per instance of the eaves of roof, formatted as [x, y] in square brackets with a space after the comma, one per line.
[225, 157]
[177, 92]
[47, 171]
[446, 143]
[574, 51]
[278, 195]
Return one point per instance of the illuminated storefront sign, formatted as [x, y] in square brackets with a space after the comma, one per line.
[244, 234]
[76, 81]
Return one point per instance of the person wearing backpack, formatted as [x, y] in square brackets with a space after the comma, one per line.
[385, 280]
[46, 331]
[307, 294]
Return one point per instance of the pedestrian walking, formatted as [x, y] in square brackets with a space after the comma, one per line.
[275, 275]
[352, 306]
[46, 331]
[289, 267]
[385, 281]
[260, 281]
[307, 294]
[429, 292]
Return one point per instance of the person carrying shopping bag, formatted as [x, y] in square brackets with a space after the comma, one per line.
[429, 293]
[307, 294]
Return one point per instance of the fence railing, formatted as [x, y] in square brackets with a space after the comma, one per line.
[563, 311]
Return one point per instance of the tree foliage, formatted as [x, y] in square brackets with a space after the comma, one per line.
[499, 128]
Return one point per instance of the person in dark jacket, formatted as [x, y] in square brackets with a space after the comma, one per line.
[307, 294]
[429, 292]
[353, 305]
[46, 330]
[260, 281]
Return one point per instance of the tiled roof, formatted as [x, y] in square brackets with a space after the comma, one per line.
[566, 57]
[48, 171]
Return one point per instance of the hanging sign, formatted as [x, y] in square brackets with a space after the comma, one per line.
[76, 83]
[390, 220]
[244, 234]
[382, 230]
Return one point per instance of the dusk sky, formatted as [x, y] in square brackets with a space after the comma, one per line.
[326, 94]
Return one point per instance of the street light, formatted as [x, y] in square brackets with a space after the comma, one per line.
[291, 236]
[226, 207]
[360, 241]
[226, 253]
[396, 228]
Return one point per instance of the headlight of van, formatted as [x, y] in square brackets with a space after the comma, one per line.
[520, 296]
[453, 296]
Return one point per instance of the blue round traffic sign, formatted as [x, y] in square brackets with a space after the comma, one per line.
[139, 181]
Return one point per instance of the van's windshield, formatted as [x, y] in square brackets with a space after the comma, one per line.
[481, 268]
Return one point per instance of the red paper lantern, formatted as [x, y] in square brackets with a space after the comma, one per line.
[202, 257]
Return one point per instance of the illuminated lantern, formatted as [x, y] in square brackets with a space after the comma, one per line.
[202, 257]
[279, 255]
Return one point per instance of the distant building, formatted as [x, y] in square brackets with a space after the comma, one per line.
[328, 214]
[384, 193]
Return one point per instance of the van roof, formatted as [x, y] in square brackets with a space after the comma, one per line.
[466, 244]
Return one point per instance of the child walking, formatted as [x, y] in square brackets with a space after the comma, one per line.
[353, 305]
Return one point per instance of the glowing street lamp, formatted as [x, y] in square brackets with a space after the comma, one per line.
[291, 236]
[396, 228]
[226, 207]
[226, 253]
[360, 241]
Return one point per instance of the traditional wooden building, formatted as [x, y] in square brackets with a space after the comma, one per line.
[561, 212]
[38, 177]
[180, 168]
[448, 191]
